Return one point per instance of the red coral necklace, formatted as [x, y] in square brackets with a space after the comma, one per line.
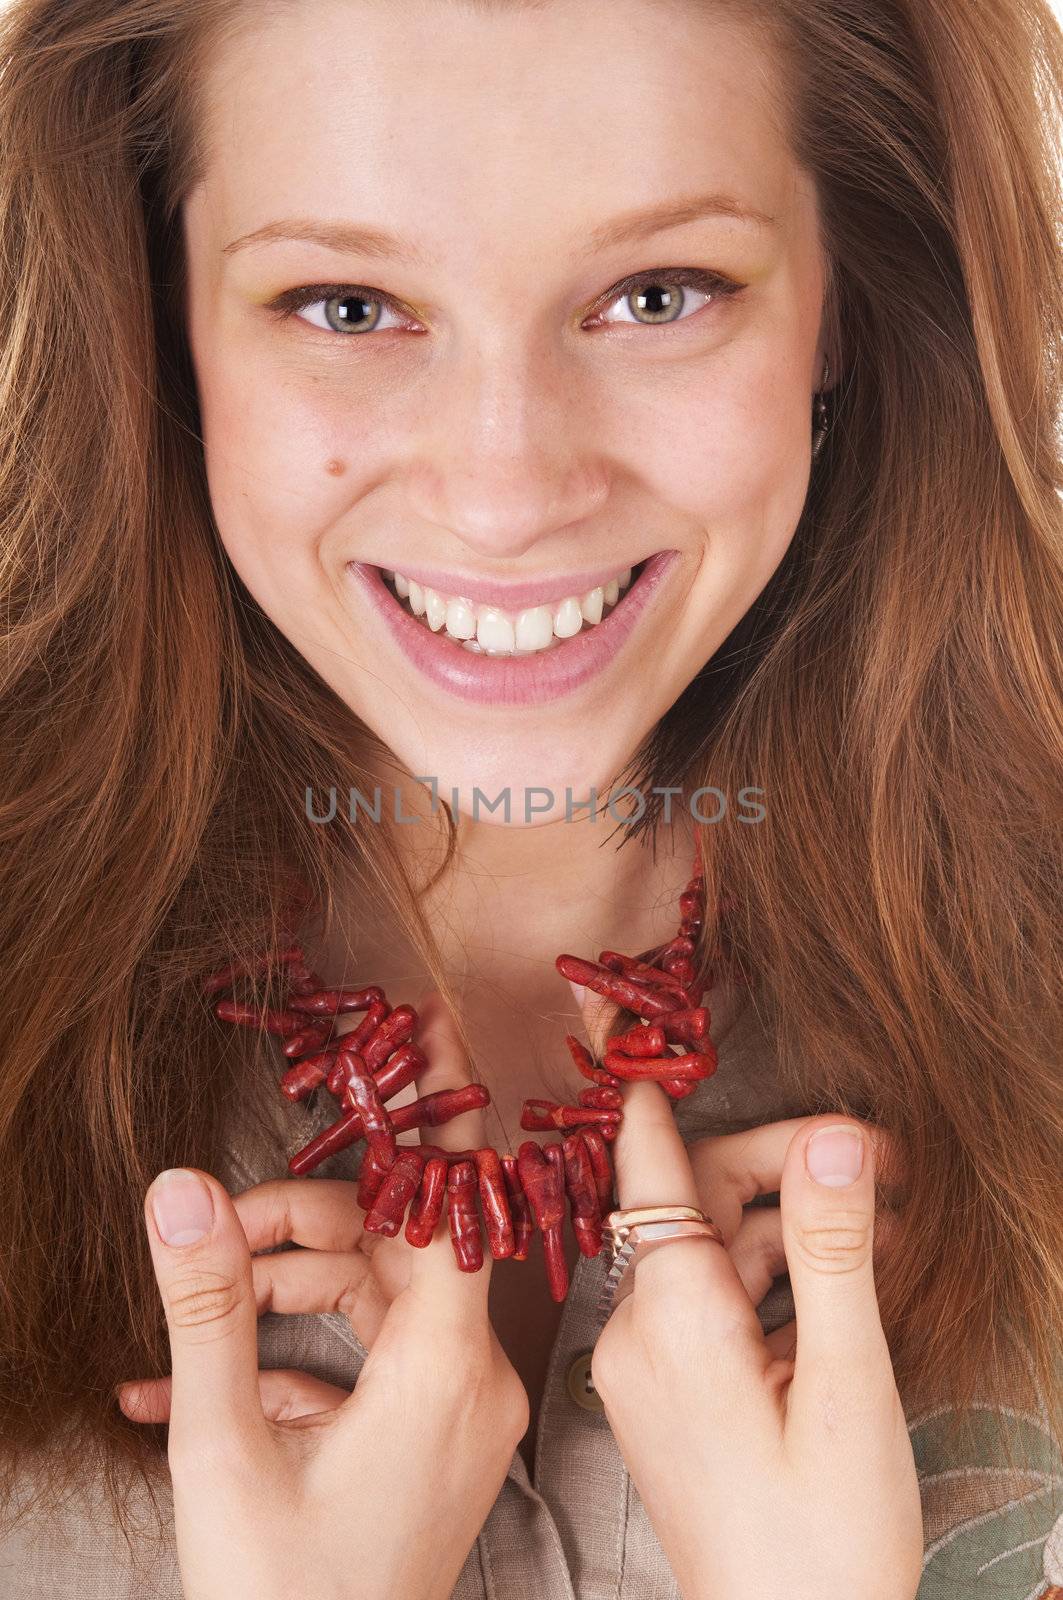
[517, 1194]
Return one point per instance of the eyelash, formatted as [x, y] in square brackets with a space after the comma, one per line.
[714, 283]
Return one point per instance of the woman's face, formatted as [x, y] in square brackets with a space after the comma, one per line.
[473, 394]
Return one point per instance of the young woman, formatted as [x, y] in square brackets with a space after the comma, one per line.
[613, 431]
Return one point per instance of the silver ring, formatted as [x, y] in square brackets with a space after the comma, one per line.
[624, 1231]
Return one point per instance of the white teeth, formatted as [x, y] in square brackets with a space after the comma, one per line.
[494, 631]
[435, 610]
[568, 618]
[490, 630]
[461, 619]
[534, 628]
[591, 605]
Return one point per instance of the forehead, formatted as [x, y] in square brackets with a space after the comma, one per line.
[427, 115]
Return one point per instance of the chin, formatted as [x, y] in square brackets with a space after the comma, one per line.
[485, 776]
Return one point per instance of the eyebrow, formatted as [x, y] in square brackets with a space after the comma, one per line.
[377, 244]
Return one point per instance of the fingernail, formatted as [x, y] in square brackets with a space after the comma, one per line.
[184, 1210]
[579, 993]
[834, 1156]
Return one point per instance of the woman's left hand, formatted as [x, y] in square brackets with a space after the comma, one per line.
[761, 1474]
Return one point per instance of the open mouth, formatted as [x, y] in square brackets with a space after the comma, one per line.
[514, 658]
[490, 630]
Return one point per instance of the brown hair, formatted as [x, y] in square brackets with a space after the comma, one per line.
[894, 690]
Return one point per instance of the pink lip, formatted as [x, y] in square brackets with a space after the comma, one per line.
[515, 680]
[511, 596]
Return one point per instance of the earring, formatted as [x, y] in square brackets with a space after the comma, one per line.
[819, 413]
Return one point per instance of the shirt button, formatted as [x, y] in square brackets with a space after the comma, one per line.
[580, 1386]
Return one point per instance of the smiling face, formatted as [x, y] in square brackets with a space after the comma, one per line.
[418, 350]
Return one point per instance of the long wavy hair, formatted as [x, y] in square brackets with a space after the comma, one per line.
[895, 687]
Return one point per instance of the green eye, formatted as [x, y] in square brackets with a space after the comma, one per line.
[664, 296]
[654, 298]
[348, 312]
[657, 302]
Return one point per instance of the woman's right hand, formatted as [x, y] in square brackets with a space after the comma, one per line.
[283, 1484]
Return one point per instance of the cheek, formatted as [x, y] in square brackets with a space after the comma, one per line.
[729, 447]
[728, 454]
[284, 463]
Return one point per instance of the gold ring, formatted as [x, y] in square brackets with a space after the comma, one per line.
[625, 1230]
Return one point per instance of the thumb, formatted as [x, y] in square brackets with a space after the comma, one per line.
[434, 1270]
[448, 1068]
[203, 1268]
[598, 1015]
[827, 1201]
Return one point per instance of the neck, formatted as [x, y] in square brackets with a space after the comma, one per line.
[508, 903]
[514, 898]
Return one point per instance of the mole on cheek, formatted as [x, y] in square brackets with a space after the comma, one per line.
[335, 468]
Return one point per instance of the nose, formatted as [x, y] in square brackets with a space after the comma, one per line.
[502, 458]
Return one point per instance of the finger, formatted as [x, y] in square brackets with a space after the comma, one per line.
[599, 1017]
[284, 1394]
[842, 1365]
[757, 1250]
[782, 1342]
[732, 1168]
[203, 1268]
[652, 1169]
[311, 1282]
[320, 1213]
[448, 1068]
[759, 1253]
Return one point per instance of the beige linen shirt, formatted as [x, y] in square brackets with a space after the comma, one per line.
[576, 1529]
